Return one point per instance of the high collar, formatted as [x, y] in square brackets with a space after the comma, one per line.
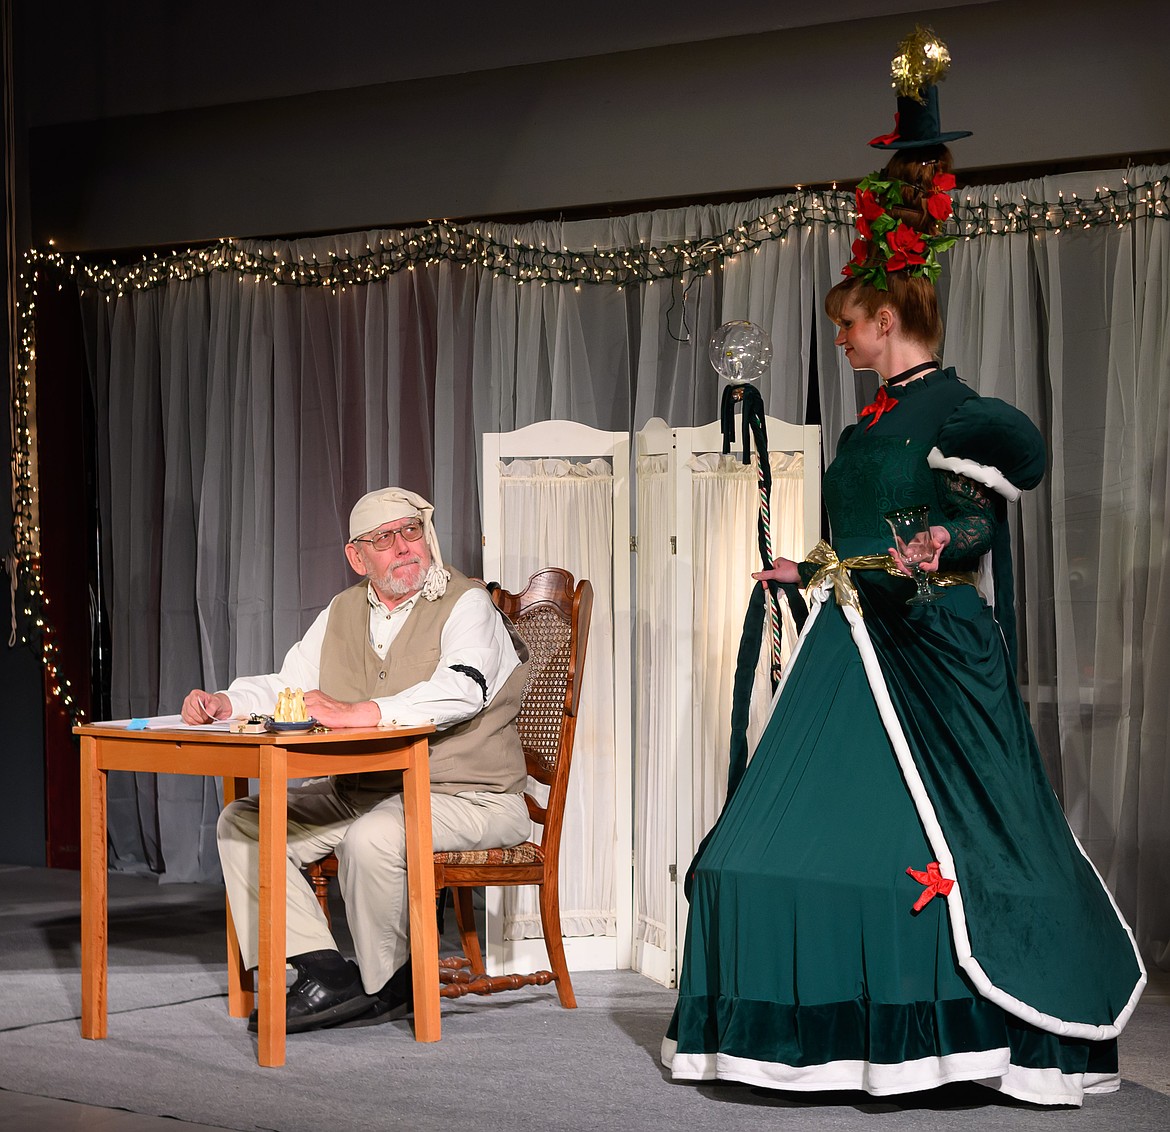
[926, 381]
[910, 374]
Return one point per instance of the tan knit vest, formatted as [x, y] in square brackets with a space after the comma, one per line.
[484, 753]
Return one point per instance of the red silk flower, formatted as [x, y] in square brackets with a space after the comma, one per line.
[868, 208]
[939, 205]
[860, 254]
[906, 247]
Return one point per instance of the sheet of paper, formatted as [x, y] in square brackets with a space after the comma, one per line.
[165, 723]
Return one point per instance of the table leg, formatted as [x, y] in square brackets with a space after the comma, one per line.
[420, 880]
[94, 892]
[273, 909]
[240, 996]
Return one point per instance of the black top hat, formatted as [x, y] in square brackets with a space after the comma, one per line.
[917, 124]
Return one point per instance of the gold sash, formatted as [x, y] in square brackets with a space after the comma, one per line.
[837, 570]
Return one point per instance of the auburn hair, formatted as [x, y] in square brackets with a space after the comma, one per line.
[912, 298]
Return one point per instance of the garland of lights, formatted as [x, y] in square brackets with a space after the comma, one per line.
[470, 246]
[274, 263]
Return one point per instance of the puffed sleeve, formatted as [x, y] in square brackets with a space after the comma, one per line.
[991, 442]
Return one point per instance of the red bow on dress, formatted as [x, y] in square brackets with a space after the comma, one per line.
[936, 884]
[882, 403]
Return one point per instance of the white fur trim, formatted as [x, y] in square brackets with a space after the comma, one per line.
[1051, 1086]
[973, 470]
[991, 1068]
[876, 1079]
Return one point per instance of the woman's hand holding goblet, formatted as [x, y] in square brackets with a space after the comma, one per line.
[917, 547]
[940, 537]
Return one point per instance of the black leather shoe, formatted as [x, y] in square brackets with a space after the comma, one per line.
[309, 1005]
[395, 1000]
[382, 1010]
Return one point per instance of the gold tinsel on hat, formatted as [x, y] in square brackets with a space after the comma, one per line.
[922, 61]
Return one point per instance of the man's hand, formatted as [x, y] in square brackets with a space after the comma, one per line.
[206, 707]
[336, 713]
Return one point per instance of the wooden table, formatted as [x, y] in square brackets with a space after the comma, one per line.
[273, 759]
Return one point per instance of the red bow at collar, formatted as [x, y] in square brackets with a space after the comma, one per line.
[936, 884]
[883, 403]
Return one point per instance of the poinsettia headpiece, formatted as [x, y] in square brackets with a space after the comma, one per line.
[885, 242]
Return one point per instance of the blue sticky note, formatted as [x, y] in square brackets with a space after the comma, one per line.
[137, 725]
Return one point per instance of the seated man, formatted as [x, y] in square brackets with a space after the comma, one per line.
[415, 643]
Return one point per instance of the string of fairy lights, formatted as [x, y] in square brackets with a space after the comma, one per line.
[475, 246]
[467, 246]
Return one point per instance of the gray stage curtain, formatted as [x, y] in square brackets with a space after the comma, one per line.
[237, 422]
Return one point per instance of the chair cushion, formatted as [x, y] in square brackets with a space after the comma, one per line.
[526, 854]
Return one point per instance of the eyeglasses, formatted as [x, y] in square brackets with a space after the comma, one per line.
[383, 540]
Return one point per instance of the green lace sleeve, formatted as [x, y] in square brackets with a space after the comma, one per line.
[970, 511]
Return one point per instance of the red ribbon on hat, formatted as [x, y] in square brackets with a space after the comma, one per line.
[885, 139]
[936, 884]
[883, 403]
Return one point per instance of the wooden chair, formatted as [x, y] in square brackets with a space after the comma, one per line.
[552, 616]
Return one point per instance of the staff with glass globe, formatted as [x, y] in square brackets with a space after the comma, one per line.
[741, 353]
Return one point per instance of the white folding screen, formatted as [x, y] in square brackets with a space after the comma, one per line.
[557, 494]
[647, 782]
[696, 537]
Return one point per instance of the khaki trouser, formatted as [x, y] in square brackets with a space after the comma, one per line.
[368, 834]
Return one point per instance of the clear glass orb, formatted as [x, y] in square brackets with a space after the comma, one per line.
[741, 352]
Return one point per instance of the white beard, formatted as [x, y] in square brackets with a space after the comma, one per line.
[404, 581]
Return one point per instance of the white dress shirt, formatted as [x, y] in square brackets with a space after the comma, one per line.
[474, 635]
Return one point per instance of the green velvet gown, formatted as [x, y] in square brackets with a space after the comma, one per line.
[899, 739]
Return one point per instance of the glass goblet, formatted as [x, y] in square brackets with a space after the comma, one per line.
[914, 545]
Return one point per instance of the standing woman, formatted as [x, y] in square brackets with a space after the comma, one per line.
[892, 899]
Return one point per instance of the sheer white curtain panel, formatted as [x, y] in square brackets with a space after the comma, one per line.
[560, 513]
[725, 504]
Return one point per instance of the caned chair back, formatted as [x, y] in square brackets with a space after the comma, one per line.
[552, 617]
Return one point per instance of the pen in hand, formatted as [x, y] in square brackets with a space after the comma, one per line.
[201, 708]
